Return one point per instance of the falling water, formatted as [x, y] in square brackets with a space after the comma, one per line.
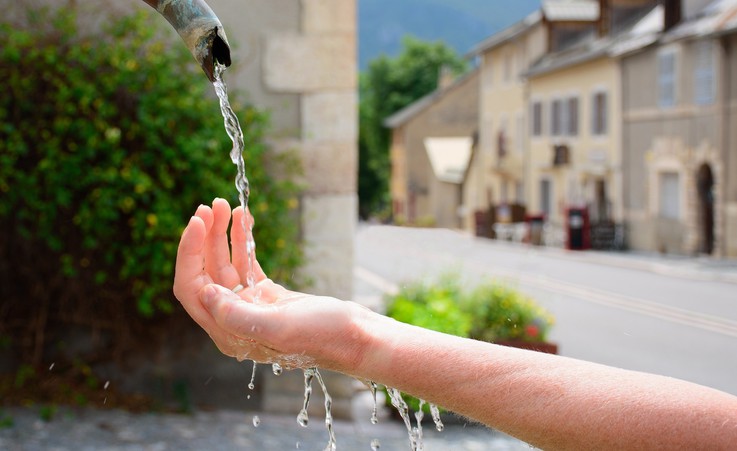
[252, 384]
[303, 417]
[234, 131]
[396, 399]
[374, 416]
[328, 413]
[435, 412]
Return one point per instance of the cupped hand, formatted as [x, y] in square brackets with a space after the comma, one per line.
[265, 322]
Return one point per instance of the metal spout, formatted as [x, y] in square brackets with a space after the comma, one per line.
[200, 29]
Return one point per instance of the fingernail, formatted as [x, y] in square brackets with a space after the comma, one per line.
[208, 295]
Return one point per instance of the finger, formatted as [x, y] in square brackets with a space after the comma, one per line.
[205, 213]
[239, 238]
[217, 249]
[189, 275]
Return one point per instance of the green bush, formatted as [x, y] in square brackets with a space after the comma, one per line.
[490, 312]
[108, 143]
[502, 313]
[432, 306]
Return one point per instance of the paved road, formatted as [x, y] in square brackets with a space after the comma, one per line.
[672, 316]
[110, 430]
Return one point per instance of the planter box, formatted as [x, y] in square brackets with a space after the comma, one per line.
[542, 346]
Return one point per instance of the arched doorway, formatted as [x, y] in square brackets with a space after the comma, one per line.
[705, 186]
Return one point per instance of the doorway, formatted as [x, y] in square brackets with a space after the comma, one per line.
[705, 187]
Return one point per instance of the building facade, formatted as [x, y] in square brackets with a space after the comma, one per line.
[680, 143]
[432, 143]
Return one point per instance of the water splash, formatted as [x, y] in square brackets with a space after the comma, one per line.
[331, 446]
[303, 417]
[256, 421]
[234, 131]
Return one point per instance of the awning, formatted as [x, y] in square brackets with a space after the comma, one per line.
[449, 157]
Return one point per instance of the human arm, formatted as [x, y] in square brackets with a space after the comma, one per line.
[549, 401]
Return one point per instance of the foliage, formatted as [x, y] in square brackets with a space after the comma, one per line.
[490, 312]
[108, 142]
[501, 312]
[432, 306]
[389, 85]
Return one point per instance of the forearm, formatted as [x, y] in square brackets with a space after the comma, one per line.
[549, 401]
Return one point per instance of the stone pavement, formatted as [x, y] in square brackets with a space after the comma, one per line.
[83, 429]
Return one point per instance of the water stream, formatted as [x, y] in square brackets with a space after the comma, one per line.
[234, 131]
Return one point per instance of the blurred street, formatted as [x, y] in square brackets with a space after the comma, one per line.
[674, 316]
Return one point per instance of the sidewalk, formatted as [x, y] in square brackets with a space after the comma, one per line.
[695, 268]
[80, 429]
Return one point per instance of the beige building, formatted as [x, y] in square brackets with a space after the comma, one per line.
[680, 131]
[431, 146]
[575, 134]
[495, 178]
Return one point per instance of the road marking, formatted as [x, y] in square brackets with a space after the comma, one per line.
[593, 295]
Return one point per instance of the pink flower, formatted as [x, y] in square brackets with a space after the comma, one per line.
[532, 331]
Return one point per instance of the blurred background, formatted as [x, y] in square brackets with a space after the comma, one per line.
[553, 174]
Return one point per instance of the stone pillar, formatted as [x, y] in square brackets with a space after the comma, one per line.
[318, 63]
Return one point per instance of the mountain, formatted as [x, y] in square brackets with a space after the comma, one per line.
[459, 23]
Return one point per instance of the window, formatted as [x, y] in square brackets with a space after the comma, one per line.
[537, 119]
[670, 195]
[599, 114]
[667, 79]
[572, 116]
[564, 118]
[556, 110]
[704, 74]
[546, 197]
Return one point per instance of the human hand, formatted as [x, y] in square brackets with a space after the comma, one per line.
[266, 322]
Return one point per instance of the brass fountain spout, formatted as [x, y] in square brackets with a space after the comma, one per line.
[200, 29]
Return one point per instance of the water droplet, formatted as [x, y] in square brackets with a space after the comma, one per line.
[107, 384]
[248, 397]
[375, 444]
[303, 418]
[104, 401]
[256, 421]
[277, 369]
[52, 366]
[252, 384]
[297, 445]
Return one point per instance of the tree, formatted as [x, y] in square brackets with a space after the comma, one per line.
[389, 85]
[108, 142]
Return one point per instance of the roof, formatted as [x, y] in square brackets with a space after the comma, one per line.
[642, 30]
[570, 10]
[405, 114]
[719, 17]
[449, 157]
[507, 34]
